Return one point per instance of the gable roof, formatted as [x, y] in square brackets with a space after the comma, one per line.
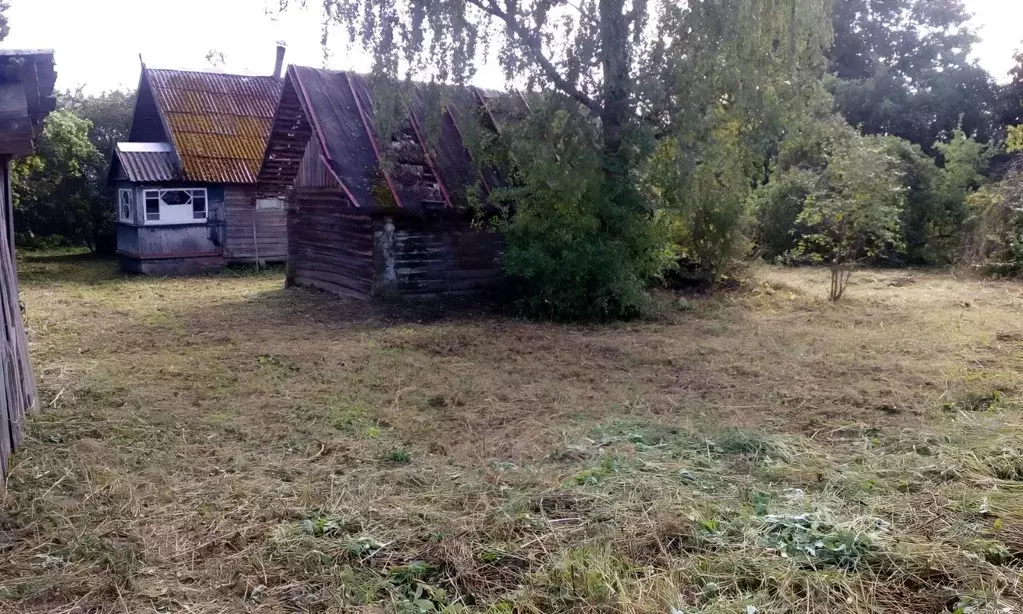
[414, 169]
[145, 162]
[218, 124]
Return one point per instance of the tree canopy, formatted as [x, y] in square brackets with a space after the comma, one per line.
[903, 67]
[60, 191]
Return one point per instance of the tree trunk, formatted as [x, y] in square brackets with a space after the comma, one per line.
[840, 274]
[615, 107]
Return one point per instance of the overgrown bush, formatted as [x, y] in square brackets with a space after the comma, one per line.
[964, 164]
[60, 190]
[701, 192]
[995, 226]
[795, 176]
[923, 219]
[573, 251]
[836, 197]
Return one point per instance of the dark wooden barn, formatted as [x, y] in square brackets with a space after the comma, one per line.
[373, 217]
[26, 97]
[186, 179]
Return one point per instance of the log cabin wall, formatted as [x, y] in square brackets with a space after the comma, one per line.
[338, 248]
[420, 257]
[330, 243]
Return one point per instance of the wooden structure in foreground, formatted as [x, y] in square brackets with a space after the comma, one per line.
[26, 96]
[380, 216]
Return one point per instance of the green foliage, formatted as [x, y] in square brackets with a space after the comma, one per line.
[110, 113]
[720, 126]
[801, 160]
[595, 475]
[994, 228]
[590, 225]
[703, 203]
[902, 67]
[5, 27]
[743, 442]
[855, 212]
[1011, 111]
[974, 401]
[1014, 143]
[590, 577]
[924, 220]
[572, 252]
[322, 526]
[399, 455]
[841, 194]
[57, 189]
[60, 191]
[965, 162]
[808, 538]
[413, 591]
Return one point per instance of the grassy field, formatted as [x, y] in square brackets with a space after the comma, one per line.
[223, 445]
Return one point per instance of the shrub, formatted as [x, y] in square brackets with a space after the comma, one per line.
[846, 193]
[577, 248]
[994, 235]
[702, 191]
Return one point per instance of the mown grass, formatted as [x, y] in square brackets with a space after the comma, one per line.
[220, 444]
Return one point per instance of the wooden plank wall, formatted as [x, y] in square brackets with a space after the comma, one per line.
[442, 256]
[251, 232]
[313, 172]
[146, 125]
[18, 395]
[330, 243]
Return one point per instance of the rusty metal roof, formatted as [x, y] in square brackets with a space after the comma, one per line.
[219, 124]
[147, 162]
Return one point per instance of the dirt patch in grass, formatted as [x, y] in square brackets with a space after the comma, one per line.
[220, 444]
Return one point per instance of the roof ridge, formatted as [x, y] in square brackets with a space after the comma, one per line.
[211, 72]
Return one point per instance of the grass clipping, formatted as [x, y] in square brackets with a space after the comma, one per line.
[222, 445]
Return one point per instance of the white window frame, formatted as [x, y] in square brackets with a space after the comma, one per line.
[126, 198]
[174, 214]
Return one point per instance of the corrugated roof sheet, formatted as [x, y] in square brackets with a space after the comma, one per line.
[145, 162]
[219, 123]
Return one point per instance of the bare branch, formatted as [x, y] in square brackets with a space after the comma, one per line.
[531, 41]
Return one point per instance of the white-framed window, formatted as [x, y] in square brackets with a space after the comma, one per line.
[269, 204]
[175, 206]
[125, 205]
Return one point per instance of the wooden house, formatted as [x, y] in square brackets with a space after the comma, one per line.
[186, 178]
[26, 97]
[379, 217]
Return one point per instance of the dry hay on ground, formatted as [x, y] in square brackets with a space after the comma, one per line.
[222, 445]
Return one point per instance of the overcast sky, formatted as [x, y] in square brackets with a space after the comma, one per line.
[98, 42]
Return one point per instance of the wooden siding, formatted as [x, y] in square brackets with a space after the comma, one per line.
[253, 233]
[330, 243]
[146, 124]
[289, 136]
[313, 172]
[416, 257]
[170, 241]
[18, 395]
